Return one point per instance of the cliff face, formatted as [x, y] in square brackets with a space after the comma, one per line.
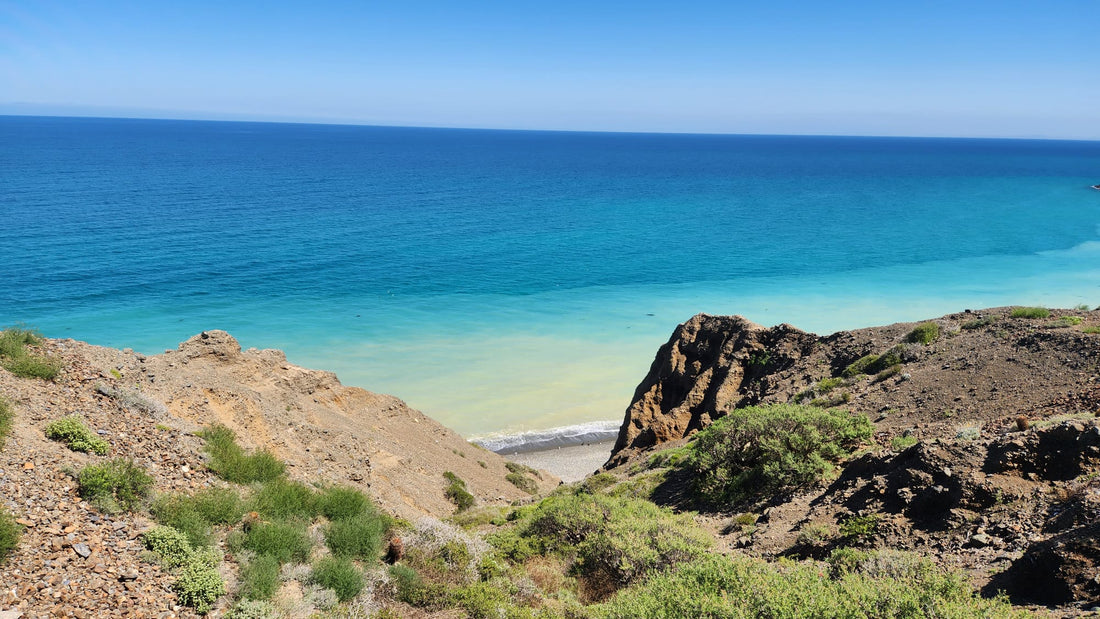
[710, 365]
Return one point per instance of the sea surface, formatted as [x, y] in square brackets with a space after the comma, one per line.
[519, 281]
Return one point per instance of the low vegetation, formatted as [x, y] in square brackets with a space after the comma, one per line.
[873, 364]
[7, 420]
[72, 431]
[10, 533]
[758, 451]
[851, 585]
[115, 485]
[457, 493]
[230, 461]
[924, 333]
[1030, 312]
[15, 358]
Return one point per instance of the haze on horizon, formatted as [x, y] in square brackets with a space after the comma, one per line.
[972, 68]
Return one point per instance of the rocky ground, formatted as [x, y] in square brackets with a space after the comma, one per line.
[986, 454]
[75, 561]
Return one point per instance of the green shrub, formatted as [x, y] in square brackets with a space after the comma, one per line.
[15, 358]
[814, 534]
[1091, 330]
[522, 469]
[617, 538]
[259, 578]
[483, 600]
[457, 493]
[231, 463]
[7, 420]
[282, 540]
[194, 514]
[10, 532]
[826, 385]
[924, 333]
[115, 485]
[414, 590]
[76, 436]
[859, 366]
[597, 483]
[358, 536]
[282, 498]
[340, 575]
[758, 451]
[1030, 312]
[873, 364]
[198, 583]
[978, 323]
[733, 586]
[900, 443]
[169, 544]
[522, 482]
[1063, 322]
[341, 503]
[860, 527]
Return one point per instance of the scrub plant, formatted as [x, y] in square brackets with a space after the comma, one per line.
[76, 436]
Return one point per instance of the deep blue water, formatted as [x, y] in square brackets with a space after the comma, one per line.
[506, 280]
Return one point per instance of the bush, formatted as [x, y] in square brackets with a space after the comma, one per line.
[341, 503]
[413, 590]
[133, 399]
[259, 578]
[76, 436]
[283, 499]
[729, 586]
[7, 420]
[758, 451]
[10, 532]
[169, 544]
[617, 538]
[978, 323]
[283, 541]
[357, 537]
[1063, 322]
[901, 443]
[522, 482]
[15, 358]
[253, 609]
[194, 514]
[924, 333]
[115, 485]
[1030, 312]
[198, 583]
[456, 491]
[231, 463]
[860, 527]
[340, 575]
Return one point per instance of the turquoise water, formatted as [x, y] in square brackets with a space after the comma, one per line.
[509, 281]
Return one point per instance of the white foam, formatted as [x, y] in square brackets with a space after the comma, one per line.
[536, 440]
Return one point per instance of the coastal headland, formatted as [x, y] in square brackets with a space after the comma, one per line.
[981, 454]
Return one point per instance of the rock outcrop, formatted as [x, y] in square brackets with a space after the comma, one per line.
[710, 365]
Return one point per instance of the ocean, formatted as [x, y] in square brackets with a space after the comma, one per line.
[506, 282]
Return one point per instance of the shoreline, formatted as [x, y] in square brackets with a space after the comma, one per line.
[571, 463]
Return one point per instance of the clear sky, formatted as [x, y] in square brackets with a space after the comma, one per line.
[1001, 68]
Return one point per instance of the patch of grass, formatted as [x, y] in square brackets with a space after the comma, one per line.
[1091, 330]
[231, 463]
[457, 493]
[76, 436]
[115, 485]
[193, 515]
[522, 482]
[815, 534]
[7, 420]
[342, 503]
[860, 527]
[282, 498]
[198, 583]
[834, 400]
[340, 575]
[597, 483]
[826, 385]
[924, 333]
[889, 372]
[259, 578]
[10, 534]
[414, 590]
[762, 450]
[1063, 322]
[15, 358]
[737, 586]
[169, 544]
[978, 323]
[284, 541]
[357, 536]
[1030, 312]
[522, 469]
[901, 443]
[669, 458]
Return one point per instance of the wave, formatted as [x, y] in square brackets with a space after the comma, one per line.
[538, 440]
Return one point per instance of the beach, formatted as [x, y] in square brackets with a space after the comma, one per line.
[572, 463]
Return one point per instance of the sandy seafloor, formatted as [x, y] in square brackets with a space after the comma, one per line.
[572, 463]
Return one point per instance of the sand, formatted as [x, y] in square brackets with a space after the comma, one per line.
[571, 464]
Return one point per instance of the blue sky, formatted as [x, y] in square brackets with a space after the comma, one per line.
[1004, 69]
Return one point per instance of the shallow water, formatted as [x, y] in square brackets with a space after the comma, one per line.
[510, 281]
